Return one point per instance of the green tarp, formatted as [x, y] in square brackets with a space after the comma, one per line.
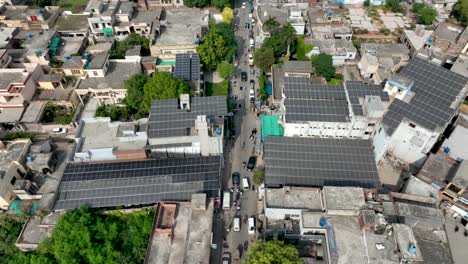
[270, 126]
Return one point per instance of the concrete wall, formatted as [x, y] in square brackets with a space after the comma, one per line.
[410, 144]
[280, 213]
[380, 143]
[355, 129]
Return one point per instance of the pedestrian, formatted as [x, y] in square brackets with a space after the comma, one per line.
[243, 163]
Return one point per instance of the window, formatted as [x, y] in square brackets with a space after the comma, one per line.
[95, 73]
[367, 133]
[380, 129]
[33, 18]
[412, 125]
[13, 180]
[371, 124]
[76, 71]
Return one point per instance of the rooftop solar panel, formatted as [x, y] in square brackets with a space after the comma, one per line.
[435, 90]
[137, 182]
[358, 90]
[319, 162]
[187, 66]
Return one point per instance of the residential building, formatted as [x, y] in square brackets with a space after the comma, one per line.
[456, 191]
[6, 37]
[74, 66]
[416, 40]
[100, 139]
[343, 200]
[188, 241]
[145, 23]
[318, 162]
[75, 25]
[181, 31]
[331, 32]
[425, 97]
[341, 50]
[380, 60]
[313, 109]
[12, 170]
[444, 7]
[188, 68]
[288, 69]
[102, 18]
[17, 88]
[283, 15]
[19, 16]
[137, 182]
[446, 43]
[156, 4]
[461, 65]
[453, 145]
[39, 47]
[35, 230]
[187, 127]
[5, 59]
[105, 78]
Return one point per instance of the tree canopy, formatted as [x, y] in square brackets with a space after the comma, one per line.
[280, 40]
[264, 58]
[272, 252]
[220, 3]
[271, 24]
[135, 94]
[82, 236]
[426, 14]
[120, 47]
[258, 176]
[227, 15]
[42, 3]
[196, 3]
[460, 11]
[218, 45]
[226, 70]
[394, 6]
[162, 86]
[323, 64]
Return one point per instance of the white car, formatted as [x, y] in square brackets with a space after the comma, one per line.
[251, 226]
[236, 224]
[243, 5]
[59, 130]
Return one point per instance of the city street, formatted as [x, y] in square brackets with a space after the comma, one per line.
[244, 147]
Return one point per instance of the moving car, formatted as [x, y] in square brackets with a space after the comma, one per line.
[235, 178]
[237, 224]
[251, 226]
[244, 76]
[251, 163]
[58, 131]
[227, 200]
[245, 183]
[227, 258]
[251, 59]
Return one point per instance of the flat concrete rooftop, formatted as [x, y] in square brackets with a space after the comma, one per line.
[182, 27]
[343, 198]
[117, 73]
[191, 241]
[294, 198]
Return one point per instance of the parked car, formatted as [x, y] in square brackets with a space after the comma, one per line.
[237, 224]
[251, 163]
[245, 183]
[244, 5]
[227, 258]
[58, 131]
[251, 226]
[244, 76]
[235, 178]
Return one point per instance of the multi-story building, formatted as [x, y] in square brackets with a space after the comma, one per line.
[425, 98]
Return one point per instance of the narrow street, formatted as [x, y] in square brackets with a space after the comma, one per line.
[244, 122]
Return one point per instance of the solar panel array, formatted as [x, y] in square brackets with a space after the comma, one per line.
[137, 182]
[187, 66]
[435, 88]
[306, 101]
[319, 162]
[167, 120]
[358, 89]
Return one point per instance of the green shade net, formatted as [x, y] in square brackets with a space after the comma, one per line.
[270, 126]
[54, 46]
[107, 31]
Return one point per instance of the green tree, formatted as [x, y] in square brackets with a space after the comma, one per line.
[119, 48]
[272, 252]
[394, 6]
[426, 14]
[281, 39]
[196, 3]
[271, 24]
[227, 15]
[227, 32]
[213, 50]
[460, 11]
[220, 3]
[42, 3]
[258, 176]
[323, 64]
[264, 58]
[261, 86]
[135, 94]
[226, 70]
[163, 86]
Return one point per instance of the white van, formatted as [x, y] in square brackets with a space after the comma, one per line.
[236, 224]
[252, 93]
[251, 226]
[227, 200]
[245, 183]
[252, 43]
